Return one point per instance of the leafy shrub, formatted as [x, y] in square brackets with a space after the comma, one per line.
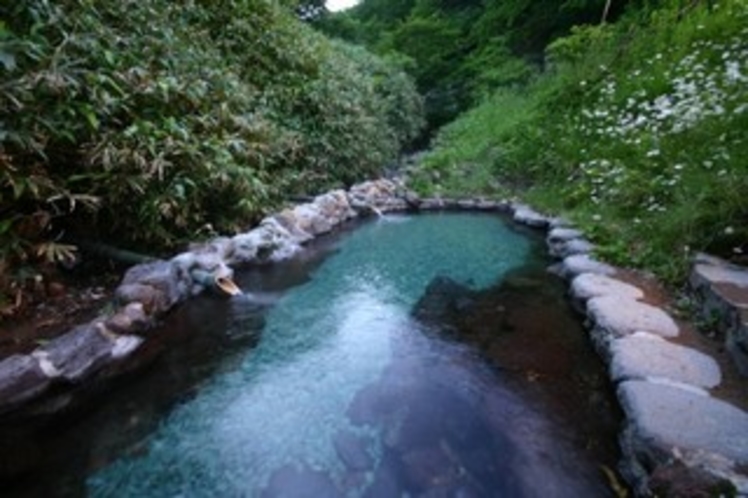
[637, 132]
[150, 122]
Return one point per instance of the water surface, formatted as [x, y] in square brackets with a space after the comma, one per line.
[426, 356]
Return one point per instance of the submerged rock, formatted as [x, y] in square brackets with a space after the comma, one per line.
[442, 304]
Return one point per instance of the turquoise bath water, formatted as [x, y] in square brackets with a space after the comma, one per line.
[348, 393]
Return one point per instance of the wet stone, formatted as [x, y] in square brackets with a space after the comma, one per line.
[21, 379]
[589, 285]
[571, 247]
[529, 217]
[583, 263]
[662, 417]
[616, 317]
[642, 355]
[131, 319]
[156, 285]
[80, 353]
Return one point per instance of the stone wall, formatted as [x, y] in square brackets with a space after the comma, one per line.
[676, 432]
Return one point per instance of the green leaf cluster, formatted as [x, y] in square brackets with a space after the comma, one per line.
[462, 51]
[146, 122]
[636, 131]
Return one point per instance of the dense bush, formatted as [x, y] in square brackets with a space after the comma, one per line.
[460, 51]
[152, 122]
[637, 132]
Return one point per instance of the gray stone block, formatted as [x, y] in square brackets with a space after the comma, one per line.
[21, 379]
[527, 216]
[662, 417]
[643, 355]
[79, 353]
[156, 285]
[616, 317]
[584, 263]
[589, 285]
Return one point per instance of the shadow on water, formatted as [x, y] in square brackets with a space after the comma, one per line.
[399, 386]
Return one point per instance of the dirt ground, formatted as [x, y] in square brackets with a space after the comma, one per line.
[75, 300]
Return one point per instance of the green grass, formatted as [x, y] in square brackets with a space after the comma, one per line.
[638, 135]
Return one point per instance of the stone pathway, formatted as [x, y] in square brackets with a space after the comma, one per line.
[676, 432]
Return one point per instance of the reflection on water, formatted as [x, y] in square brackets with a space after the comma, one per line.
[344, 385]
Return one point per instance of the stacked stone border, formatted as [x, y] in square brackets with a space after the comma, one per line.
[674, 429]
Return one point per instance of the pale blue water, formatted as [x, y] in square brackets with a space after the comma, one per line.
[345, 395]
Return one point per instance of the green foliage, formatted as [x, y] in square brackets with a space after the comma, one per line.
[463, 50]
[146, 122]
[638, 134]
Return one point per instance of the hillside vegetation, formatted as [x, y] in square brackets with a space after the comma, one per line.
[630, 118]
[460, 51]
[149, 123]
[637, 131]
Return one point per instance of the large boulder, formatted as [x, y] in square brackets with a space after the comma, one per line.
[577, 264]
[645, 356]
[334, 206]
[589, 285]
[722, 290]
[21, 379]
[666, 423]
[79, 353]
[378, 196]
[156, 285]
[525, 215]
[615, 317]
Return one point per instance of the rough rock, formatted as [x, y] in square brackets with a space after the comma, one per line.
[156, 285]
[559, 222]
[563, 249]
[589, 285]
[431, 204]
[616, 317]
[286, 220]
[722, 290]
[664, 421]
[527, 216]
[563, 234]
[21, 379]
[310, 219]
[643, 355]
[125, 345]
[379, 195]
[265, 243]
[79, 353]
[334, 206]
[583, 263]
[131, 319]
